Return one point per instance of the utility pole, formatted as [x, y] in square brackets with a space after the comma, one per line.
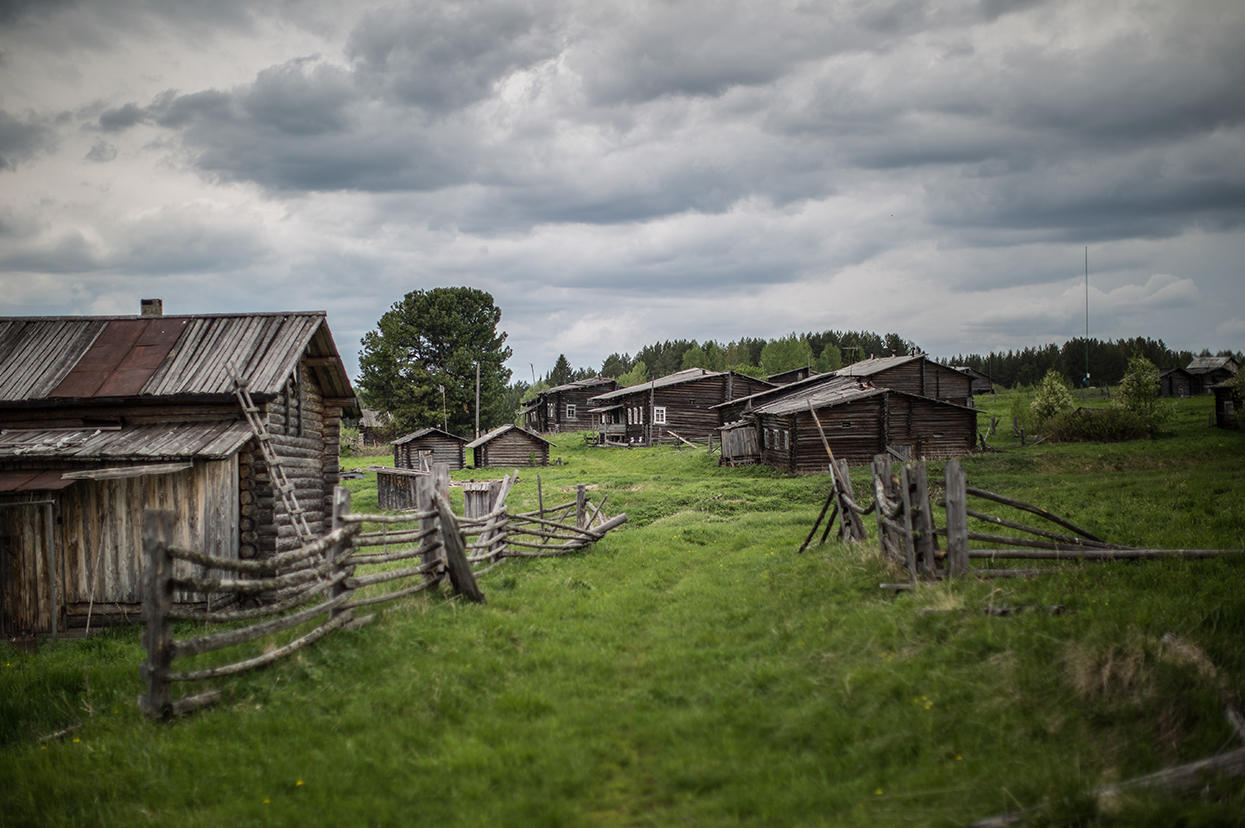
[1086, 381]
[444, 426]
[477, 399]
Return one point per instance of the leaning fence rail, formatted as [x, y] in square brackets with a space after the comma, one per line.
[364, 561]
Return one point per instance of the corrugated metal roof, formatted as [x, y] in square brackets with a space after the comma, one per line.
[173, 441]
[89, 357]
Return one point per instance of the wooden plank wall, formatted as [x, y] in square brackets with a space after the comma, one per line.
[514, 448]
[444, 450]
[854, 431]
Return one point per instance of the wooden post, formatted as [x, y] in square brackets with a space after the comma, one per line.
[337, 551]
[957, 519]
[157, 601]
[459, 568]
[905, 497]
[540, 500]
[853, 525]
[50, 548]
[879, 469]
[580, 510]
[924, 520]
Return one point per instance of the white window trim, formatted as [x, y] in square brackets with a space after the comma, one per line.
[570, 411]
[659, 415]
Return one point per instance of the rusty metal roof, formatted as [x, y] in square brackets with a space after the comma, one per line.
[212, 440]
[93, 357]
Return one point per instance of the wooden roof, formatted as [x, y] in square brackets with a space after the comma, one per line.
[577, 385]
[873, 365]
[1204, 365]
[213, 440]
[842, 390]
[424, 432]
[677, 378]
[497, 432]
[94, 357]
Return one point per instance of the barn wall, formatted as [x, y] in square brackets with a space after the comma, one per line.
[97, 536]
[932, 430]
[514, 448]
[444, 450]
[854, 431]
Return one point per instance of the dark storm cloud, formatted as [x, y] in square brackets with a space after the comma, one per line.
[122, 117]
[22, 139]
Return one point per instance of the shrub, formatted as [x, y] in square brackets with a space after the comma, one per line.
[351, 442]
[1052, 396]
[1023, 418]
[1100, 425]
[1139, 394]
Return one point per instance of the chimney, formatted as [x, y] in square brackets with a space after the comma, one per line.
[151, 307]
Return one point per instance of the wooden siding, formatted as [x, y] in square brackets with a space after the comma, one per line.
[513, 448]
[444, 449]
[688, 406]
[932, 430]
[541, 420]
[927, 379]
[97, 537]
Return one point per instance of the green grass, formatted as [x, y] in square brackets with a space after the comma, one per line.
[691, 669]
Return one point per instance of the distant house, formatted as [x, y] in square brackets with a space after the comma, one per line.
[678, 404]
[1228, 404]
[1212, 370]
[981, 384]
[1178, 382]
[371, 424]
[859, 420]
[435, 445]
[103, 417]
[510, 445]
[914, 374]
[565, 407]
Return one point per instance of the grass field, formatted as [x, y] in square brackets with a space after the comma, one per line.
[692, 669]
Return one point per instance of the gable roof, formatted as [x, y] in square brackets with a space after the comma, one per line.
[1204, 365]
[212, 440]
[97, 357]
[781, 390]
[500, 430]
[837, 392]
[873, 365]
[677, 378]
[424, 432]
[577, 385]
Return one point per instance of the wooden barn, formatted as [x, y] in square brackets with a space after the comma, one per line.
[1178, 382]
[102, 417]
[510, 445]
[372, 426]
[915, 374]
[1210, 371]
[436, 445]
[565, 407]
[981, 384]
[678, 404]
[859, 421]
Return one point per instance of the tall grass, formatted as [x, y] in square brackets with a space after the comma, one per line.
[693, 669]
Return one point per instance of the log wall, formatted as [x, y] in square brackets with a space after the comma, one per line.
[444, 450]
[514, 448]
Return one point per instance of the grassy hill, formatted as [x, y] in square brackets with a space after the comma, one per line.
[693, 669]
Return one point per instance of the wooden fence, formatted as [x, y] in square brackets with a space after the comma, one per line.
[364, 561]
[909, 534]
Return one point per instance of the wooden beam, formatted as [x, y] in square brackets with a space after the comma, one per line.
[121, 472]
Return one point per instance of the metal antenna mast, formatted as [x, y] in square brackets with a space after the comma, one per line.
[1086, 383]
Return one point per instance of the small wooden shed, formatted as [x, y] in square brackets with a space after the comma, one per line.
[1228, 404]
[1210, 371]
[510, 445]
[914, 374]
[1178, 382]
[102, 417]
[437, 445]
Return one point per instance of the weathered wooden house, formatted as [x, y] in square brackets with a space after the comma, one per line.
[102, 417]
[1228, 404]
[1178, 382]
[432, 443]
[981, 384]
[565, 407]
[372, 426]
[510, 445]
[859, 420]
[1211, 371]
[674, 406]
[914, 374]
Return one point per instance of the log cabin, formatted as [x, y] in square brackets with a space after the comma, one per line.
[674, 406]
[1210, 371]
[510, 445]
[859, 420]
[103, 417]
[437, 445]
[565, 407]
[914, 374]
[1178, 382]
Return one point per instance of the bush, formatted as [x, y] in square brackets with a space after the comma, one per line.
[1139, 394]
[1099, 425]
[351, 442]
[1052, 396]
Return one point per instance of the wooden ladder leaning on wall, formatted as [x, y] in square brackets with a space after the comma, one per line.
[276, 471]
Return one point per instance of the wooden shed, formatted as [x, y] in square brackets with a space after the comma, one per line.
[678, 404]
[510, 445]
[1178, 382]
[859, 420]
[102, 417]
[434, 444]
[914, 374]
[1210, 371]
[981, 384]
[565, 407]
[1228, 404]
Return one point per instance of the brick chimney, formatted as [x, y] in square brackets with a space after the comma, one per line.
[151, 307]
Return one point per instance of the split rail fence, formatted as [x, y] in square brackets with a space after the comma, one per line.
[364, 561]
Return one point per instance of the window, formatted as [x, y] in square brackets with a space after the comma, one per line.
[551, 410]
[659, 415]
[630, 416]
[570, 411]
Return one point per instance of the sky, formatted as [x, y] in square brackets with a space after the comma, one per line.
[619, 173]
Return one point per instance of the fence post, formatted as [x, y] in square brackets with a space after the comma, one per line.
[905, 498]
[924, 521]
[581, 512]
[157, 601]
[459, 568]
[336, 553]
[879, 469]
[957, 518]
[425, 502]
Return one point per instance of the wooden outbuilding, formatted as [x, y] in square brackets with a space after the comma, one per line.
[1210, 371]
[510, 445]
[1228, 404]
[914, 374]
[981, 384]
[859, 420]
[565, 407]
[679, 405]
[102, 417]
[435, 445]
[1178, 382]
[372, 425]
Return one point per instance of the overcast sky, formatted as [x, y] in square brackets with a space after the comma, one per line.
[616, 173]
